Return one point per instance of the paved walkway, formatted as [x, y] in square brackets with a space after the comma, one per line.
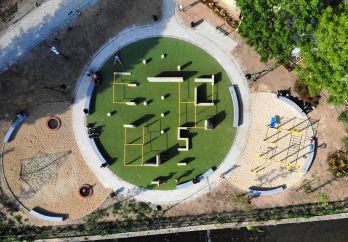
[36, 26]
[206, 37]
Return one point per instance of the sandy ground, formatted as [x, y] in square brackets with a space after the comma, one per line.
[54, 186]
[283, 158]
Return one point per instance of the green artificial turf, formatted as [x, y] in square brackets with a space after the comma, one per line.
[209, 147]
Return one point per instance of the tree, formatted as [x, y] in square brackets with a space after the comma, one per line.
[326, 55]
[274, 27]
[318, 28]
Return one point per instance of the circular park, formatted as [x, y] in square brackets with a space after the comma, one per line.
[162, 114]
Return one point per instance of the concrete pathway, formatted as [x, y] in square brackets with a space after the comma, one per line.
[36, 26]
[206, 37]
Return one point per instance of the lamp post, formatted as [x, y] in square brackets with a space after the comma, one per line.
[55, 51]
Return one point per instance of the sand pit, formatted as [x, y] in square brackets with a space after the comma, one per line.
[273, 156]
[44, 168]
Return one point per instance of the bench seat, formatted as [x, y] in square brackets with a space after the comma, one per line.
[310, 157]
[46, 217]
[89, 95]
[183, 185]
[14, 126]
[269, 192]
[235, 100]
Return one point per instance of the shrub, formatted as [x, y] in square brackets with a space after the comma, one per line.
[322, 199]
[344, 117]
[338, 163]
[243, 201]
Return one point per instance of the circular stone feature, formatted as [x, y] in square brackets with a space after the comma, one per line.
[85, 191]
[53, 123]
[133, 144]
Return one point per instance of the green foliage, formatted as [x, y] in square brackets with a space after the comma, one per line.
[344, 117]
[339, 163]
[276, 27]
[322, 199]
[91, 221]
[326, 55]
[243, 201]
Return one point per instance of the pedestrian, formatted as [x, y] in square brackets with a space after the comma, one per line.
[117, 59]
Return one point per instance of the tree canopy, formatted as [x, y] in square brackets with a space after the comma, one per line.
[326, 55]
[318, 28]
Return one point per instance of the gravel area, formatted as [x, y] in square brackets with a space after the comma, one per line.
[45, 169]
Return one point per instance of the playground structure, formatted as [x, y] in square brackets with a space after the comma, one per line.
[287, 140]
[182, 130]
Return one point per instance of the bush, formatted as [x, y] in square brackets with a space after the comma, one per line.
[322, 199]
[243, 201]
[344, 117]
[305, 95]
[338, 163]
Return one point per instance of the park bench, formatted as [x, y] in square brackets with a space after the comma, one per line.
[268, 192]
[235, 99]
[14, 126]
[185, 184]
[89, 95]
[46, 217]
[310, 157]
[205, 175]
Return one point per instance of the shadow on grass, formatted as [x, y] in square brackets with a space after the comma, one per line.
[170, 153]
[187, 160]
[186, 173]
[104, 153]
[184, 74]
[218, 118]
[143, 119]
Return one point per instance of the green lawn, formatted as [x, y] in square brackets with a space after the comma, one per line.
[209, 147]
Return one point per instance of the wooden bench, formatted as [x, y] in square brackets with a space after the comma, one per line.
[235, 100]
[14, 126]
[46, 217]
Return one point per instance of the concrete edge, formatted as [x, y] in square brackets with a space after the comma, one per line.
[203, 227]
